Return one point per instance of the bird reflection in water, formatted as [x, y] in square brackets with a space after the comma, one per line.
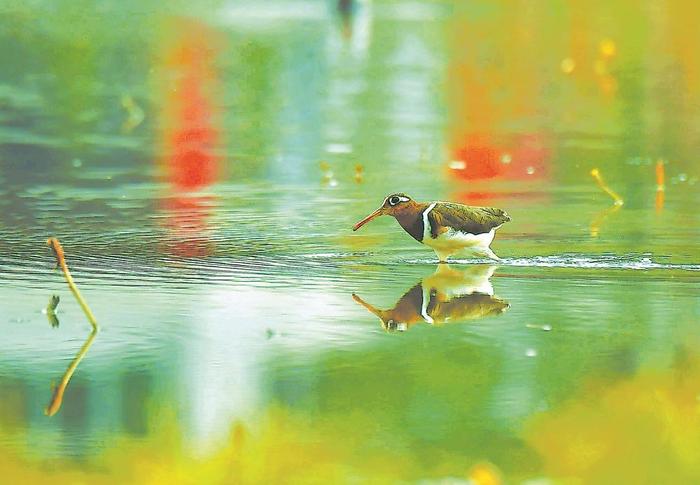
[448, 295]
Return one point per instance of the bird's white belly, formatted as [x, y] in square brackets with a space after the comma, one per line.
[456, 240]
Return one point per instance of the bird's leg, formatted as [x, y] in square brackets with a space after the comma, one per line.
[442, 255]
[489, 254]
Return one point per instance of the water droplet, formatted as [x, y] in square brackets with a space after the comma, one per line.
[546, 328]
[682, 177]
[506, 158]
[530, 170]
[458, 165]
[77, 163]
[531, 353]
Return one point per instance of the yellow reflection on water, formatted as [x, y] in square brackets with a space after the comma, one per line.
[645, 430]
[642, 430]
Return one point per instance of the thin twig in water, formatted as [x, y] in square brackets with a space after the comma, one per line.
[595, 173]
[57, 398]
[61, 261]
[598, 220]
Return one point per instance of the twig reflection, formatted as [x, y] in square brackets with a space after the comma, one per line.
[57, 398]
[600, 218]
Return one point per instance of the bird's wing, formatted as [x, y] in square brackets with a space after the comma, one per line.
[472, 220]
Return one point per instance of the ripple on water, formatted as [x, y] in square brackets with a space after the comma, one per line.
[570, 260]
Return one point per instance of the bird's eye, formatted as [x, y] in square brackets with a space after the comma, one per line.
[393, 200]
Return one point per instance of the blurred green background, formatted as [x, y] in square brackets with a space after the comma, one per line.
[203, 164]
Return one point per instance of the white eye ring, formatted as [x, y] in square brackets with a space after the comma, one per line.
[394, 200]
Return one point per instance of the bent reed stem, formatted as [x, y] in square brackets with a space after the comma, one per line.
[57, 397]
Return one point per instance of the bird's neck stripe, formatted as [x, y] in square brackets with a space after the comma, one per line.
[424, 306]
[426, 222]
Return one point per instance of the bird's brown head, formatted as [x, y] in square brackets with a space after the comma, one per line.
[393, 205]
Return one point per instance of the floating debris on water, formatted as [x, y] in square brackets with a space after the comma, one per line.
[50, 311]
[359, 173]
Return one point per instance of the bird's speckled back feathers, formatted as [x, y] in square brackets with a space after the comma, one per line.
[463, 218]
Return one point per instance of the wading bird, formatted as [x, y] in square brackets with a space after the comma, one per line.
[446, 227]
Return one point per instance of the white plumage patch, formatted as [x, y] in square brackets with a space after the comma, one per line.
[426, 222]
[456, 240]
[452, 241]
[424, 307]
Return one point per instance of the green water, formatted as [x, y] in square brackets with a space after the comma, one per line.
[200, 168]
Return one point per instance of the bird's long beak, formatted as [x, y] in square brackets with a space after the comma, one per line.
[368, 306]
[382, 314]
[364, 221]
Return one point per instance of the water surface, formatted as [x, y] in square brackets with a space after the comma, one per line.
[203, 172]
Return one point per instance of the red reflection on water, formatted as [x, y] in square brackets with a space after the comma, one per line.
[186, 218]
[478, 158]
[527, 158]
[492, 87]
[190, 136]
